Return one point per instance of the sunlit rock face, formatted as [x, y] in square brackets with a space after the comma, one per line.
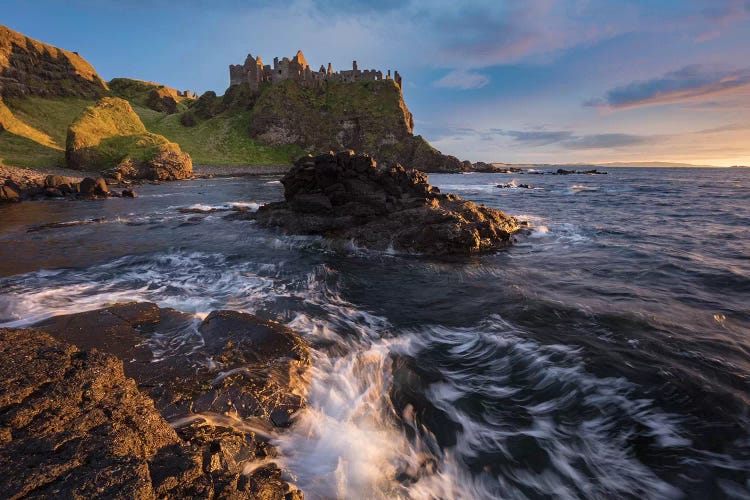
[187, 424]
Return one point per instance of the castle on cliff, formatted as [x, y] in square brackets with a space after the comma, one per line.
[253, 73]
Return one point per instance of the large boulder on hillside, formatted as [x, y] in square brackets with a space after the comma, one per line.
[347, 196]
[161, 100]
[110, 135]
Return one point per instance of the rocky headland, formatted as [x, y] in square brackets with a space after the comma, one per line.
[347, 196]
[91, 406]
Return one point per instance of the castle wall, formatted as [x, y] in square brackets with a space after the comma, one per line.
[253, 73]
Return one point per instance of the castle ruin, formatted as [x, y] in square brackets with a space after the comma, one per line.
[253, 72]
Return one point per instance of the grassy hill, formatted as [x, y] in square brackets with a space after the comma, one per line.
[33, 129]
[43, 89]
[220, 140]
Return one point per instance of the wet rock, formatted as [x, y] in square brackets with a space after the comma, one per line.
[93, 188]
[562, 171]
[129, 193]
[53, 193]
[53, 181]
[246, 367]
[168, 164]
[72, 424]
[9, 195]
[348, 196]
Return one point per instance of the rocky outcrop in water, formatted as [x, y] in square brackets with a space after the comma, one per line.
[82, 427]
[347, 196]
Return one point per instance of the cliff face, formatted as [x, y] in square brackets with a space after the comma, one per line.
[369, 117]
[29, 67]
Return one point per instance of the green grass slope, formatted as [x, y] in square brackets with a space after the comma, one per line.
[107, 133]
[33, 129]
[221, 140]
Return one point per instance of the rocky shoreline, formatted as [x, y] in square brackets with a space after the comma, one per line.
[91, 408]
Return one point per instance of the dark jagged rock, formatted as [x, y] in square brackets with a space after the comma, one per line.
[562, 171]
[73, 426]
[246, 367]
[349, 197]
[267, 358]
[166, 165]
[9, 195]
[93, 188]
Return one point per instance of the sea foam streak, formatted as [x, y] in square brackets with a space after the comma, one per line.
[351, 441]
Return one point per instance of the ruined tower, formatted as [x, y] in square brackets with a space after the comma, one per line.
[253, 72]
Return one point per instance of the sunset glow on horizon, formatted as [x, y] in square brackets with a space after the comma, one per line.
[540, 81]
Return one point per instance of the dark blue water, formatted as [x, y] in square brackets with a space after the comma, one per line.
[605, 355]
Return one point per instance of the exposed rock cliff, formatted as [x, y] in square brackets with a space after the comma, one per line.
[30, 67]
[347, 196]
[369, 116]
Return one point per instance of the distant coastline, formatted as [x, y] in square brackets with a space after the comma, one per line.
[652, 164]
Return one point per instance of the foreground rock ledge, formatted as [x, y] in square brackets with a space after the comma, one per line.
[73, 424]
[347, 196]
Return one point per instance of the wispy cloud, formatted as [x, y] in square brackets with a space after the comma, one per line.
[693, 82]
[462, 79]
[536, 137]
[569, 140]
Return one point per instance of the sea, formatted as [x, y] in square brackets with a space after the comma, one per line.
[604, 355]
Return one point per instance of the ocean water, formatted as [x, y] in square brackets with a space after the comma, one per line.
[605, 355]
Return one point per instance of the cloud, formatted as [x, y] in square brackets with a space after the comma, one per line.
[569, 140]
[536, 137]
[606, 141]
[462, 79]
[692, 82]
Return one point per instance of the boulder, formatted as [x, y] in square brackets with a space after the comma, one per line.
[54, 181]
[348, 196]
[169, 164]
[110, 136]
[9, 195]
[129, 193]
[93, 188]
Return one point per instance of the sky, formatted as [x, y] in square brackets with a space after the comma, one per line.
[517, 81]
